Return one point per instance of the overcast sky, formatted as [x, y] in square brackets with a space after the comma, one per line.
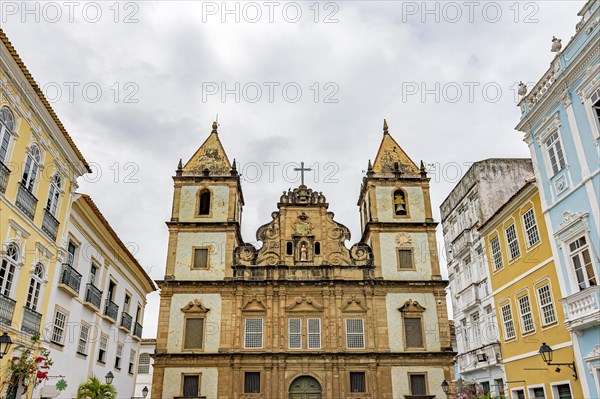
[290, 82]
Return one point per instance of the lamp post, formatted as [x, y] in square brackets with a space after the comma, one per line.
[5, 344]
[145, 392]
[546, 354]
[445, 387]
[109, 377]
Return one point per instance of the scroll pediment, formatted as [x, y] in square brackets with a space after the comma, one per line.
[254, 305]
[304, 304]
[195, 306]
[411, 306]
[354, 305]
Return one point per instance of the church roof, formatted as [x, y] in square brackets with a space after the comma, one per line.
[389, 154]
[211, 155]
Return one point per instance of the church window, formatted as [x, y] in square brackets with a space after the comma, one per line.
[418, 384]
[405, 259]
[204, 208]
[413, 331]
[252, 382]
[194, 333]
[400, 205]
[295, 333]
[253, 333]
[314, 333]
[200, 260]
[191, 386]
[357, 382]
[355, 334]
[317, 248]
[289, 247]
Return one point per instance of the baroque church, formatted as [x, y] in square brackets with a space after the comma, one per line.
[302, 316]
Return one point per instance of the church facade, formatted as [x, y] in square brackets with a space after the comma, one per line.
[303, 316]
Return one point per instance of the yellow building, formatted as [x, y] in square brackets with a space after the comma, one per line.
[527, 300]
[39, 166]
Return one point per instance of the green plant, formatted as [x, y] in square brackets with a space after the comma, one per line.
[29, 364]
[94, 389]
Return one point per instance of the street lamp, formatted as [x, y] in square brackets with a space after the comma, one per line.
[145, 392]
[445, 387]
[546, 354]
[5, 344]
[109, 377]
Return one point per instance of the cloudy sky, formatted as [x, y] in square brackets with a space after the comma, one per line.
[138, 84]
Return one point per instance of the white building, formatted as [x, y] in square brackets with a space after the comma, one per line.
[96, 311]
[143, 380]
[485, 187]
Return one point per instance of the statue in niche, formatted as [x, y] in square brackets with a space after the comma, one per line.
[303, 252]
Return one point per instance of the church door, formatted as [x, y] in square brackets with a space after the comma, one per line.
[305, 387]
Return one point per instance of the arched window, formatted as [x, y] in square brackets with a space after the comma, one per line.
[289, 248]
[400, 204]
[31, 167]
[7, 126]
[144, 363]
[35, 286]
[7, 269]
[204, 203]
[54, 194]
[317, 248]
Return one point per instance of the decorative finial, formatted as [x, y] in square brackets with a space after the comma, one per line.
[522, 89]
[179, 170]
[385, 127]
[423, 170]
[556, 44]
[370, 169]
[233, 168]
[214, 127]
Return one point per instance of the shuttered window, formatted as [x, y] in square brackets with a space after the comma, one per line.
[295, 333]
[253, 333]
[357, 382]
[355, 334]
[252, 382]
[405, 259]
[191, 386]
[314, 333]
[418, 385]
[193, 333]
[413, 332]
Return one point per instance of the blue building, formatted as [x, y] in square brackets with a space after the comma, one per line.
[561, 122]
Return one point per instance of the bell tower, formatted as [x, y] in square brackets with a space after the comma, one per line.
[206, 215]
[396, 217]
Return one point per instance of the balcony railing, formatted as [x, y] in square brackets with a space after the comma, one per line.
[50, 224]
[93, 295]
[111, 309]
[26, 201]
[4, 175]
[7, 309]
[482, 357]
[137, 330]
[31, 321]
[126, 320]
[469, 297]
[70, 278]
[582, 309]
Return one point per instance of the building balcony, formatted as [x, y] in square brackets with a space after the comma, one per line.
[4, 175]
[31, 321]
[7, 309]
[93, 297]
[111, 309]
[50, 224]
[485, 356]
[126, 321]
[462, 242]
[137, 330]
[469, 298]
[582, 309]
[70, 280]
[26, 201]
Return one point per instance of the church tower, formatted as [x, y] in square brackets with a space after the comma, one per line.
[303, 315]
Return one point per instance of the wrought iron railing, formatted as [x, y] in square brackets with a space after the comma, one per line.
[70, 277]
[7, 309]
[50, 224]
[111, 309]
[26, 201]
[31, 321]
[137, 330]
[93, 295]
[126, 320]
[4, 175]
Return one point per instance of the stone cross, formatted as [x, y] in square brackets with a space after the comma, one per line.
[302, 169]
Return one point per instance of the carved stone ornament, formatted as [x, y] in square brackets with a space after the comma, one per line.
[403, 240]
[354, 305]
[254, 305]
[195, 306]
